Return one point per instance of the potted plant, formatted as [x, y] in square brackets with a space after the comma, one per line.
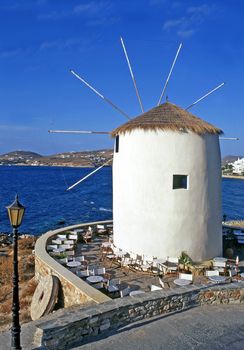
[184, 261]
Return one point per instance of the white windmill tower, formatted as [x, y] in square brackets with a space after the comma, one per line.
[166, 180]
[167, 185]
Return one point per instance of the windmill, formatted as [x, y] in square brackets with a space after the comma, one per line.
[166, 179]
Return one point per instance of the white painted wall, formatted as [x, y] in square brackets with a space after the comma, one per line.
[149, 216]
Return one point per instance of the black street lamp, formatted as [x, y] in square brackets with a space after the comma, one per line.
[15, 213]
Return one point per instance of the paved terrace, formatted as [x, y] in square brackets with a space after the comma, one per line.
[209, 327]
[65, 327]
[132, 278]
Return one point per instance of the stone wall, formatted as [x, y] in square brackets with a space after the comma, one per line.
[72, 289]
[70, 327]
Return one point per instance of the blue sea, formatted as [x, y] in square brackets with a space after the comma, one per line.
[42, 190]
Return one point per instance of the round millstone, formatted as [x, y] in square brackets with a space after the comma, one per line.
[45, 297]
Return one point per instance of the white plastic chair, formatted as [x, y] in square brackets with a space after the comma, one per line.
[186, 276]
[62, 236]
[70, 253]
[100, 227]
[219, 266]
[80, 230]
[154, 288]
[171, 265]
[91, 271]
[133, 257]
[126, 263]
[138, 261]
[65, 246]
[73, 237]
[56, 241]
[110, 254]
[80, 258]
[100, 271]
[125, 292]
[69, 241]
[232, 272]
[209, 273]
[148, 259]
[161, 283]
[82, 273]
[52, 246]
[113, 285]
[87, 236]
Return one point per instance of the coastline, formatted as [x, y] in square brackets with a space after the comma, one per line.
[233, 177]
[234, 224]
[65, 165]
[54, 165]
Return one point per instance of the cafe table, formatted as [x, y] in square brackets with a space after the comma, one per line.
[73, 263]
[182, 282]
[94, 279]
[58, 250]
[217, 279]
[136, 292]
[219, 259]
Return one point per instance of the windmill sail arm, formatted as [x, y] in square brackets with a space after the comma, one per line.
[88, 175]
[170, 72]
[99, 94]
[204, 96]
[132, 75]
[229, 138]
[78, 132]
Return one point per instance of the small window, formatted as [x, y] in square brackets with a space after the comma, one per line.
[117, 144]
[180, 181]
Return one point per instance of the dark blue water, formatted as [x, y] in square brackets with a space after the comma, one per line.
[42, 190]
[233, 198]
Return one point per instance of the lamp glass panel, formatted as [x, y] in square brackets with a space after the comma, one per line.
[20, 216]
[15, 216]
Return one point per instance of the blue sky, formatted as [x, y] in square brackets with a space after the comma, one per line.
[41, 40]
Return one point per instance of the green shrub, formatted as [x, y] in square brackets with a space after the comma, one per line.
[62, 256]
[185, 259]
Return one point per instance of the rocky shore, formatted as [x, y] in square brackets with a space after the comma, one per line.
[239, 177]
[6, 238]
[234, 223]
[27, 282]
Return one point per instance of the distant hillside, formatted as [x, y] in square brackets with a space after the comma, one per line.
[230, 159]
[73, 159]
[21, 154]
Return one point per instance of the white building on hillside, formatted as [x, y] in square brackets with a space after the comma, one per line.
[238, 166]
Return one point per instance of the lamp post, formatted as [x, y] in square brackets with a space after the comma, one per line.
[15, 213]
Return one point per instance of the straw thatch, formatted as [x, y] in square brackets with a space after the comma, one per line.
[167, 117]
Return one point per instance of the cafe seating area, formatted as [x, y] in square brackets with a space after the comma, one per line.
[91, 255]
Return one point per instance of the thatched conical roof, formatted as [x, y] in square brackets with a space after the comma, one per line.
[167, 117]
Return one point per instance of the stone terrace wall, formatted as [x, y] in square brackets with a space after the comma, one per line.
[73, 290]
[74, 326]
